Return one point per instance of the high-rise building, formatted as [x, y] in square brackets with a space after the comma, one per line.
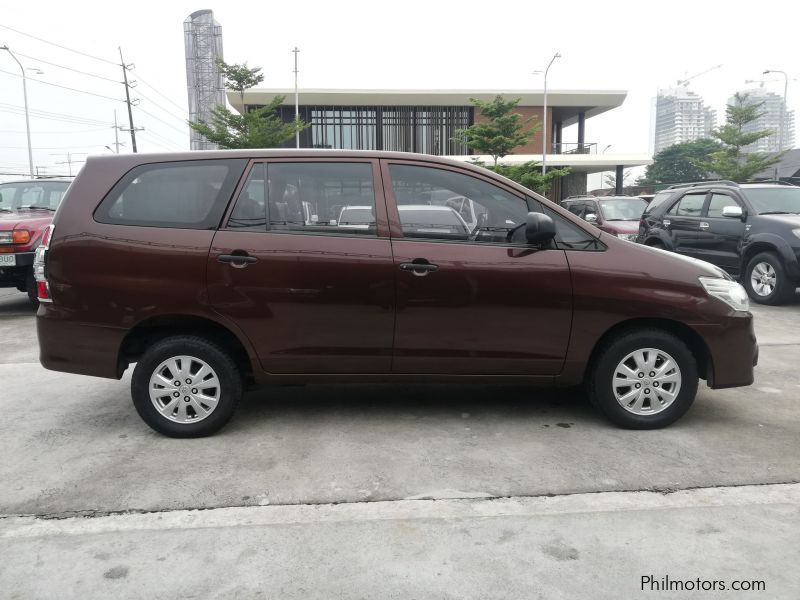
[681, 116]
[203, 42]
[772, 107]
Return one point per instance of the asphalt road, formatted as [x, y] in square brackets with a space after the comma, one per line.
[74, 446]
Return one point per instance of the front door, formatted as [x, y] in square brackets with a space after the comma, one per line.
[719, 237]
[313, 295]
[472, 299]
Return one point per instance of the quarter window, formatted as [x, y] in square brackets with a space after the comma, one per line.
[182, 195]
[440, 204]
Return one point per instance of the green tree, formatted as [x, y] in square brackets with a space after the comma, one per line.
[730, 161]
[530, 175]
[239, 77]
[679, 162]
[259, 128]
[503, 131]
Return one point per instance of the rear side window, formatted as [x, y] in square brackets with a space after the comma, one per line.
[307, 198]
[658, 200]
[181, 195]
[691, 205]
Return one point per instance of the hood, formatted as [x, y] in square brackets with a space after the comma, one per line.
[621, 226]
[34, 220]
[788, 220]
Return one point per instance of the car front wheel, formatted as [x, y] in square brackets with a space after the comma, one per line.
[643, 379]
[186, 386]
[766, 281]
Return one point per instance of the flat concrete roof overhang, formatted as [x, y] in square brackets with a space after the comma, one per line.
[566, 104]
[578, 163]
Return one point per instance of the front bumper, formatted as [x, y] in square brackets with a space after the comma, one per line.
[16, 275]
[733, 351]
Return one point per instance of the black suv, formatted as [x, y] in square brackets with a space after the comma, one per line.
[752, 230]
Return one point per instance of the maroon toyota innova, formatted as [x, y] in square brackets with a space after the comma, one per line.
[214, 271]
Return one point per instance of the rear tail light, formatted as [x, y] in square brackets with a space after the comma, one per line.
[40, 266]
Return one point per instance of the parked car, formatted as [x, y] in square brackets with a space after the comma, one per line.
[200, 269]
[750, 230]
[26, 209]
[617, 215]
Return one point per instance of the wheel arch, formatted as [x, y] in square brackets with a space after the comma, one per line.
[150, 331]
[692, 339]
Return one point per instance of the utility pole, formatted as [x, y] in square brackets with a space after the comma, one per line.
[69, 160]
[296, 100]
[128, 86]
[27, 118]
[116, 132]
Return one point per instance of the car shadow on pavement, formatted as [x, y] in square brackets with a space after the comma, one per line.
[554, 408]
[15, 304]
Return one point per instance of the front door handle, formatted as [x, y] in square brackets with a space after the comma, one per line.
[704, 225]
[419, 268]
[236, 260]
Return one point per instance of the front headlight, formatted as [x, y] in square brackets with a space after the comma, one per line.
[730, 292]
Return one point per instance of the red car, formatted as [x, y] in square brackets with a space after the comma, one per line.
[215, 271]
[617, 215]
[26, 209]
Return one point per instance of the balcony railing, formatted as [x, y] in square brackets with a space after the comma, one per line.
[574, 148]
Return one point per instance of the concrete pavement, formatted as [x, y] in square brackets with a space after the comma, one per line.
[73, 445]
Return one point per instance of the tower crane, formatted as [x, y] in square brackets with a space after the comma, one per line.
[696, 75]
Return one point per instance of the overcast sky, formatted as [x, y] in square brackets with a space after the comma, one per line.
[616, 45]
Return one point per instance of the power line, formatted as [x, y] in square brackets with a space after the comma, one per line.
[181, 119]
[139, 78]
[162, 120]
[43, 114]
[63, 86]
[52, 132]
[58, 45]
[67, 68]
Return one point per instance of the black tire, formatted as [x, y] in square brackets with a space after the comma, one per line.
[784, 288]
[30, 289]
[228, 374]
[656, 244]
[601, 374]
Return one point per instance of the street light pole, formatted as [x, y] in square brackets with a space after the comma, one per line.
[296, 101]
[782, 124]
[544, 115]
[27, 118]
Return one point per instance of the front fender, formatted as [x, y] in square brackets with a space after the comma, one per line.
[760, 242]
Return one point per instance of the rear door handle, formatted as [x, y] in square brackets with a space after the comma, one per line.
[419, 268]
[236, 259]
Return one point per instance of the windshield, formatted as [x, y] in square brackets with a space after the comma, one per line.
[774, 200]
[623, 210]
[32, 194]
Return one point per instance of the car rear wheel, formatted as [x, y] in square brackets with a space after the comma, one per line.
[643, 379]
[766, 281]
[30, 289]
[186, 386]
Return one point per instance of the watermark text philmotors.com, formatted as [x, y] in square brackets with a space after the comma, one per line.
[651, 583]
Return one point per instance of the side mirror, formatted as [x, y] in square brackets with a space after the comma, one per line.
[591, 218]
[732, 211]
[539, 228]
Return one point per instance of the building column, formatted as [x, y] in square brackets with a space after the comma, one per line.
[581, 130]
[559, 132]
[618, 188]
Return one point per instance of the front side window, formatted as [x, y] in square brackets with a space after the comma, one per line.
[182, 195]
[440, 204]
[717, 203]
[691, 205]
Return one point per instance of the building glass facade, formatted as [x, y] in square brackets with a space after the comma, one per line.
[424, 129]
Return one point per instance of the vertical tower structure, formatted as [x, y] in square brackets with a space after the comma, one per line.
[204, 83]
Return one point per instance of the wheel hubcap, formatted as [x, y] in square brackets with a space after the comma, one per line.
[646, 381]
[184, 389]
[763, 279]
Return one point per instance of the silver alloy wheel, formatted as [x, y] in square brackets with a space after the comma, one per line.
[646, 381]
[184, 389]
[763, 279]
